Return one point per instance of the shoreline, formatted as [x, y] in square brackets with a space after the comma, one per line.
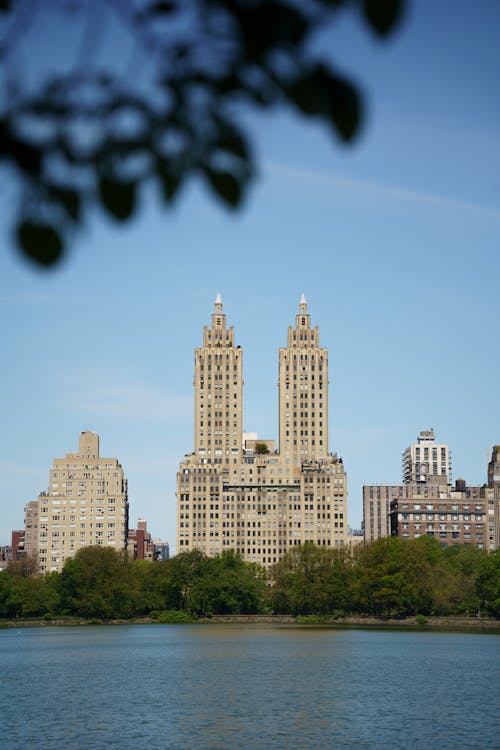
[458, 624]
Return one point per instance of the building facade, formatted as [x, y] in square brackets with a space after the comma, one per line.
[14, 551]
[86, 504]
[457, 514]
[494, 468]
[140, 545]
[31, 528]
[237, 492]
[425, 463]
[377, 508]
[452, 515]
[426, 459]
[493, 491]
[162, 550]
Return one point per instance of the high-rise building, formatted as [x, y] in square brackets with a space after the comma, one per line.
[458, 514]
[494, 467]
[303, 387]
[237, 492]
[218, 394]
[425, 463]
[31, 528]
[86, 504]
[376, 510]
[494, 493]
[425, 460]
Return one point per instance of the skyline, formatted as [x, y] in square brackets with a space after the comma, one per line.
[394, 242]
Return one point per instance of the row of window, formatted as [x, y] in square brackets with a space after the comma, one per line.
[430, 506]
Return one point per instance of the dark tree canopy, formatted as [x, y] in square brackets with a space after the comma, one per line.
[165, 107]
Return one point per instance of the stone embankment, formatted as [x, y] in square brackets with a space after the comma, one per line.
[472, 624]
[452, 623]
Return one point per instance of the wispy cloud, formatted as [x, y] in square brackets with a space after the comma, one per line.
[392, 192]
[96, 392]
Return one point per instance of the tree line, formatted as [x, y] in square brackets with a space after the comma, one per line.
[388, 578]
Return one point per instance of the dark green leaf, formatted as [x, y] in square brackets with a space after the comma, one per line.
[117, 197]
[225, 185]
[320, 92]
[27, 157]
[309, 95]
[346, 108]
[40, 242]
[234, 142]
[69, 200]
[268, 25]
[170, 182]
[383, 15]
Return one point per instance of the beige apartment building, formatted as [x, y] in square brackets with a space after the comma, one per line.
[237, 492]
[86, 504]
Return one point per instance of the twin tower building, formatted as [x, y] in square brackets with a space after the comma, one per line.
[237, 492]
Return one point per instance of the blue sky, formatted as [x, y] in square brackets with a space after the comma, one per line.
[394, 241]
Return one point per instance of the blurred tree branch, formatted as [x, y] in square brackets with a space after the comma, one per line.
[96, 133]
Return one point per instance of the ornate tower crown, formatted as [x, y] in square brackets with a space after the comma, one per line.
[218, 317]
[303, 319]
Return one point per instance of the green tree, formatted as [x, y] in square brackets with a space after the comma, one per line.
[311, 580]
[25, 567]
[153, 585]
[393, 577]
[487, 583]
[377, 581]
[97, 582]
[229, 586]
[24, 593]
[461, 565]
[187, 569]
[261, 449]
[223, 584]
[87, 134]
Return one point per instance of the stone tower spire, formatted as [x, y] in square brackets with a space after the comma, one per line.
[303, 392]
[218, 393]
[217, 334]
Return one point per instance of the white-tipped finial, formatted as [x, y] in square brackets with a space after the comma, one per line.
[218, 299]
[303, 300]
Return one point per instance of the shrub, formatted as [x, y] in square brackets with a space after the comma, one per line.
[312, 619]
[170, 616]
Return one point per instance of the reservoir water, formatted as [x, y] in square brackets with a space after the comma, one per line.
[177, 687]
